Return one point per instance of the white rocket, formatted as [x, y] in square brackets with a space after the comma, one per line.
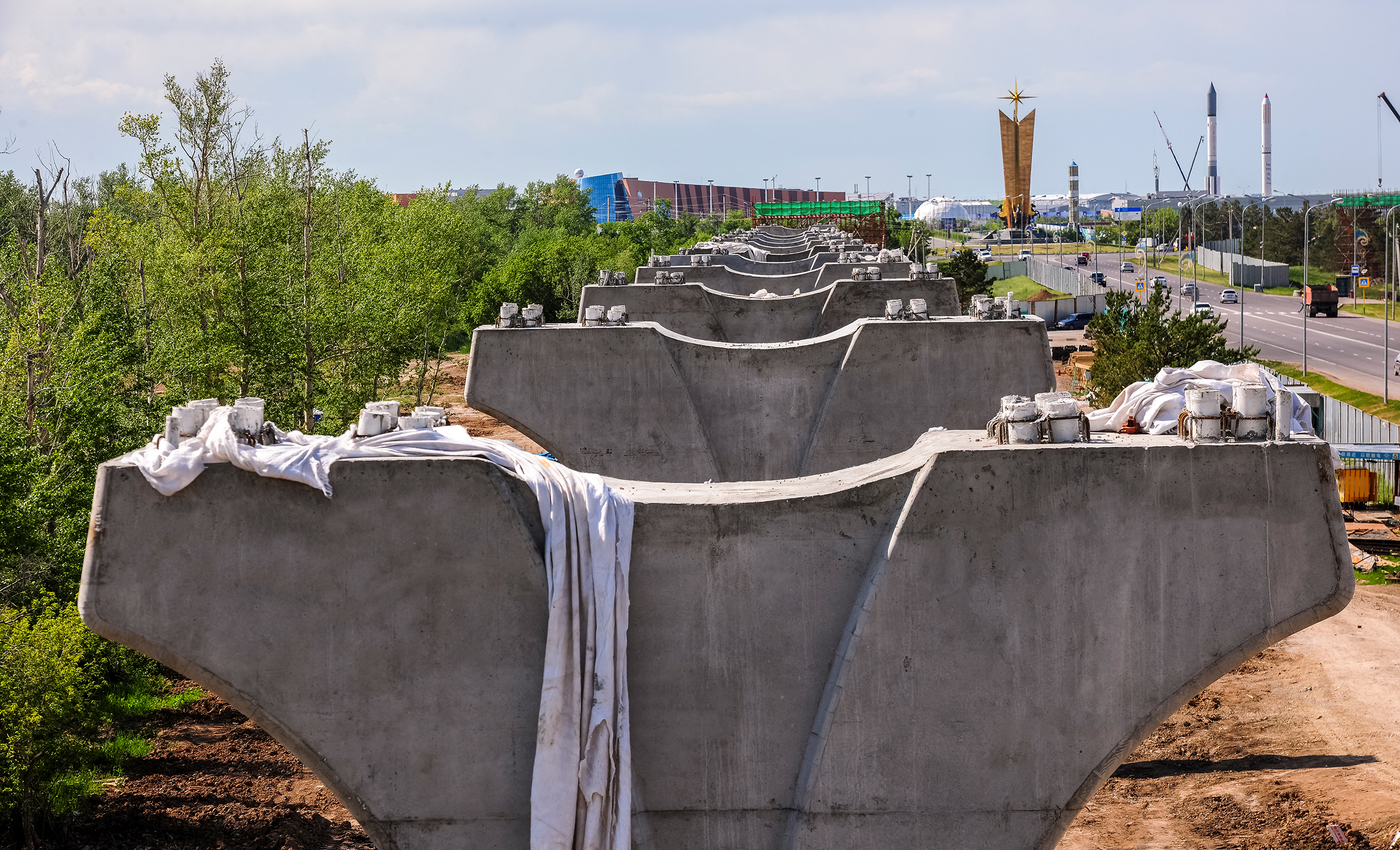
[1266, 117]
[1212, 176]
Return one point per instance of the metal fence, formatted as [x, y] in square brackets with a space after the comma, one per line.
[1056, 276]
[1342, 425]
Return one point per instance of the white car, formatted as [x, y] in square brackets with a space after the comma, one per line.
[1024, 252]
[1159, 280]
[1126, 267]
[984, 255]
[1203, 309]
[1229, 296]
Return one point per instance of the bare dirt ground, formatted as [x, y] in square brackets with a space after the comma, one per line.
[213, 780]
[451, 385]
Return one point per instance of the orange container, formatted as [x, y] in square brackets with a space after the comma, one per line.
[1356, 485]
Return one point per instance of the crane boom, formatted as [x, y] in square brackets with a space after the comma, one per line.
[1193, 163]
[1172, 152]
[1391, 105]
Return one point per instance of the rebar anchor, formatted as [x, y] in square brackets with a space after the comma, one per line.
[1208, 419]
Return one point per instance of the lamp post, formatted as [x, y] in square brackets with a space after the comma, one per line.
[1196, 247]
[1159, 204]
[1260, 204]
[1309, 211]
[1385, 361]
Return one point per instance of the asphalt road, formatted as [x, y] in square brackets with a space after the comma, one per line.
[1352, 350]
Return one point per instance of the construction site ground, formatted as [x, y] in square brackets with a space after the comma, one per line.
[1304, 736]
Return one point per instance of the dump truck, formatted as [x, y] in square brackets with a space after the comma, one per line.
[1318, 298]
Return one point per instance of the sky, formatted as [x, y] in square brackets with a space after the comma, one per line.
[420, 93]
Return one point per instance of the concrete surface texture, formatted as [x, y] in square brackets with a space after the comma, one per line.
[722, 278]
[951, 647]
[643, 402]
[747, 266]
[694, 310]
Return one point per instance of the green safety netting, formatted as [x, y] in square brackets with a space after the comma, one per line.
[1369, 201]
[783, 209]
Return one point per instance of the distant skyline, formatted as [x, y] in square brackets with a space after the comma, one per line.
[425, 92]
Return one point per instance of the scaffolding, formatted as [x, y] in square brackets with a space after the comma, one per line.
[864, 219]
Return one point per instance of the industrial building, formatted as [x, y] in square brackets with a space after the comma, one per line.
[618, 198]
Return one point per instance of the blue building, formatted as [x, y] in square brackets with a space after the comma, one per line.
[608, 194]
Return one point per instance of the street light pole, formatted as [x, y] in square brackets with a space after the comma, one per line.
[1260, 204]
[1306, 268]
[1385, 361]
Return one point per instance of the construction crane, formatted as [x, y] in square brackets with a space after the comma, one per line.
[1192, 169]
[1184, 178]
[1378, 130]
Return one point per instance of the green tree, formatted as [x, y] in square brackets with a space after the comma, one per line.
[970, 274]
[1133, 341]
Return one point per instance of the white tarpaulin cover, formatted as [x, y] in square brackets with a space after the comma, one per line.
[583, 757]
[738, 249]
[1157, 403]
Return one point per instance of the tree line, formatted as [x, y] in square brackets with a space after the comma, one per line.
[220, 264]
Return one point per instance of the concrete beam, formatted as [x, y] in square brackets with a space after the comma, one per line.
[954, 646]
[643, 402]
[747, 266]
[694, 310]
[724, 278]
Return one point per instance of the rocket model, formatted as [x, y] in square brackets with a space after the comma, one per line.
[1266, 117]
[1212, 176]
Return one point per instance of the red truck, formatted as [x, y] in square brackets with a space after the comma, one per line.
[1321, 299]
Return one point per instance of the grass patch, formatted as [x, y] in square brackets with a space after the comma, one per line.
[141, 698]
[1316, 276]
[1022, 288]
[1372, 404]
[1376, 576]
[125, 745]
[1375, 311]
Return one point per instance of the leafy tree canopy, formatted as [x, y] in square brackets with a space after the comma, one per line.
[1134, 340]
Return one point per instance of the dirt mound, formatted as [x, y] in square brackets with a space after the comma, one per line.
[1044, 295]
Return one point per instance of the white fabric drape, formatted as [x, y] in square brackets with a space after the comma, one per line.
[1157, 403]
[581, 793]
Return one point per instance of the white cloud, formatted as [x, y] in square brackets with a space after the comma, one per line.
[429, 90]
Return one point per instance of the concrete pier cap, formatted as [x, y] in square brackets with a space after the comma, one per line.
[745, 281]
[696, 310]
[642, 402]
[952, 646]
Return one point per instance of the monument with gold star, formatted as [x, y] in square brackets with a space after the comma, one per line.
[1017, 135]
